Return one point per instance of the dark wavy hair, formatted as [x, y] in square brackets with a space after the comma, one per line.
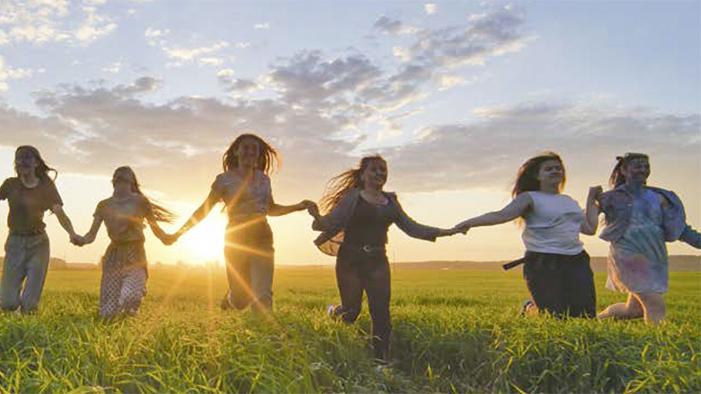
[527, 177]
[617, 178]
[268, 160]
[340, 184]
[42, 170]
[160, 213]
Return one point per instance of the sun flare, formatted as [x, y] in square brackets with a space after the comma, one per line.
[205, 242]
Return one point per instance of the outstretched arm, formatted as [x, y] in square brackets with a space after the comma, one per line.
[157, 230]
[196, 217]
[66, 223]
[282, 210]
[691, 237]
[591, 213]
[92, 233]
[516, 208]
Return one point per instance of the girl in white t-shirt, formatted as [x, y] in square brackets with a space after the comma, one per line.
[556, 267]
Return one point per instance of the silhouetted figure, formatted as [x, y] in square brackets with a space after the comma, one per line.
[124, 265]
[244, 188]
[27, 250]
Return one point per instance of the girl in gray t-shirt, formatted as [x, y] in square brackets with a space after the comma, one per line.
[244, 188]
[27, 250]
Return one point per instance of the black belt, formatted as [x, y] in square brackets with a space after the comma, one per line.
[365, 248]
[541, 257]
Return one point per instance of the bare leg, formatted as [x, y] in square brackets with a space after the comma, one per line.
[653, 307]
[631, 309]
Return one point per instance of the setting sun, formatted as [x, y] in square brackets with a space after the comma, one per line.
[205, 242]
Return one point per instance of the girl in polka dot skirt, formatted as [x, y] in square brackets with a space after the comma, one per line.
[124, 268]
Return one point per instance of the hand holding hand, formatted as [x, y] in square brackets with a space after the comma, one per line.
[595, 192]
[306, 204]
[313, 210]
[169, 239]
[77, 240]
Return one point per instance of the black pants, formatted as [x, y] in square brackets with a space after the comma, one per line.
[358, 271]
[561, 284]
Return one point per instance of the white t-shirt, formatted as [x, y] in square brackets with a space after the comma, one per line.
[553, 224]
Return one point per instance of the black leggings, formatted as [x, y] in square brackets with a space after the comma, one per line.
[561, 284]
[358, 271]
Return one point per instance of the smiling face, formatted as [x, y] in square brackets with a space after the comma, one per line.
[636, 170]
[551, 172]
[25, 162]
[248, 152]
[374, 174]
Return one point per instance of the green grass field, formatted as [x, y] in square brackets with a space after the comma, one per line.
[454, 331]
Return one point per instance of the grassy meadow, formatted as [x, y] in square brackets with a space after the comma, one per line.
[454, 331]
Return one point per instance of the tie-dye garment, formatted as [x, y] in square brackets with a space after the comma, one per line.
[638, 261]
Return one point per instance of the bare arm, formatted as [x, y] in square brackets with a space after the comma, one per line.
[157, 230]
[92, 233]
[516, 208]
[64, 221]
[282, 210]
[591, 213]
[199, 214]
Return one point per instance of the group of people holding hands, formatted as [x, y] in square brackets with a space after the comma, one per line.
[353, 219]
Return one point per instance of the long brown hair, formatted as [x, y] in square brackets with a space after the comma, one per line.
[527, 177]
[617, 178]
[268, 160]
[42, 170]
[340, 184]
[160, 213]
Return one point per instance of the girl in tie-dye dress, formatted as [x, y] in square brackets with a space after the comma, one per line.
[639, 222]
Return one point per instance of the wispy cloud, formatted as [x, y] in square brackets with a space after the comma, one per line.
[262, 26]
[46, 21]
[9, 73]
[431, 8]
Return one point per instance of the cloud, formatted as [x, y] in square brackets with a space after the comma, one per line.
[392, 26]
[8, 73]
[155, 37]
[430, 8]
[487, 152]
[183, 55]
[210, 61]
[262, 26]
[50, 21]
[494, 34]
[225, 73]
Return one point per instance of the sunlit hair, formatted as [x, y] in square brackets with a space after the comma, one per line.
[617, 178]
[340, 184]
[42, 170]
[527, 177]
[160, 214]
[268, 159]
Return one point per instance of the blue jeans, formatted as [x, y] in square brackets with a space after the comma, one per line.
[26, 262]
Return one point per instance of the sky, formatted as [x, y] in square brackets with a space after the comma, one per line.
[456, 95]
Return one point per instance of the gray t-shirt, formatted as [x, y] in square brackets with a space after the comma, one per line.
[244, 198]
[27, 205]
[124, 219]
